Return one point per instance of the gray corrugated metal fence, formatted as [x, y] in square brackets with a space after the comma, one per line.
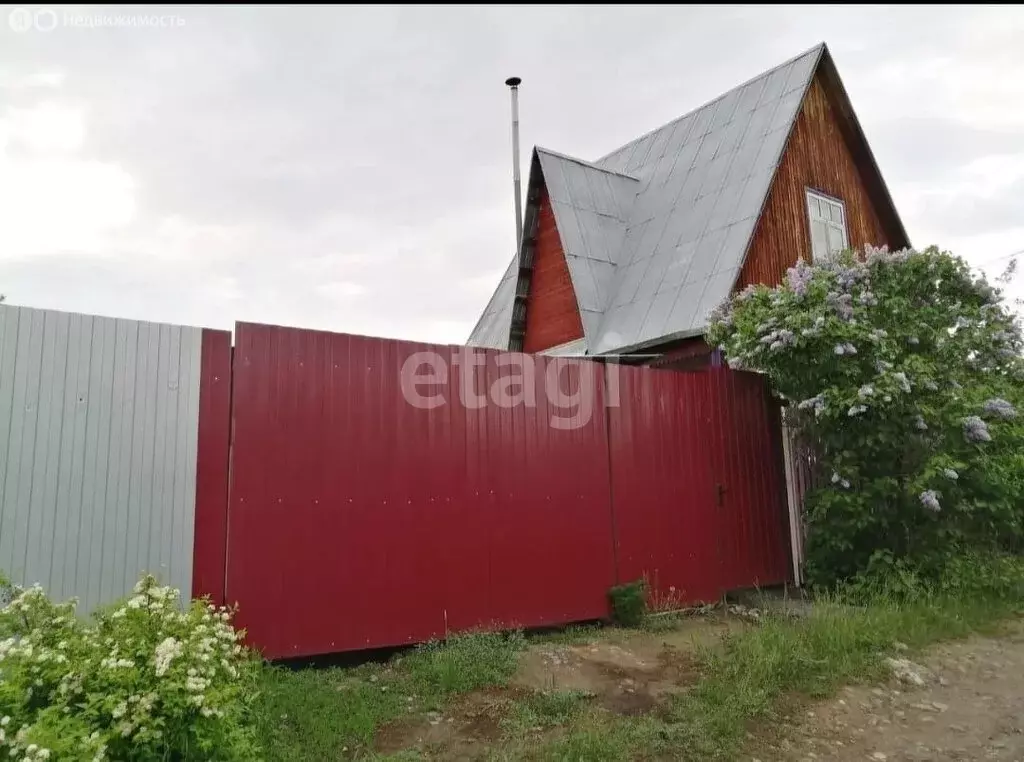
[98, 431]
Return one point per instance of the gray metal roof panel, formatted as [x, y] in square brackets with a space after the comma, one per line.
[493, 328]
[679, 266]
[627, 283]
[786, 111]
[639, 157]
[591, 220]
[716, 289]
[653, 273]
[657, 316]
[591, 319]
[568, 228]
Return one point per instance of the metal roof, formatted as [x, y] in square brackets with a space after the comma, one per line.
[655, 233]
[591, 205]
[492, 329]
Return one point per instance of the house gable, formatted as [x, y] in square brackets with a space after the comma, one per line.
[575, 222]
[817, 158]
[552, 313]
[657, 233]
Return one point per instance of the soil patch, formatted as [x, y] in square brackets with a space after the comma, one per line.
[971, 707]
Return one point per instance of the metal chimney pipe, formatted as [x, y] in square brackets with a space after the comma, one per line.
[513, 83]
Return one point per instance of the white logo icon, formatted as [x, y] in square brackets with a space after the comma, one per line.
[46, 20]
[21, 20]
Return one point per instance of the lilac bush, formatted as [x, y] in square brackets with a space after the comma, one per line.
[905, 369]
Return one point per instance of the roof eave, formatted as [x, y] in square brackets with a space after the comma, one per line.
[655, 342]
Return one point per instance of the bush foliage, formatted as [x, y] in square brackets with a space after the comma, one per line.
[143, 680]
[904, 370]
[629, 603]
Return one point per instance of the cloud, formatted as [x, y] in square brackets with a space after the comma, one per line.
[347, 168]
[51, 199]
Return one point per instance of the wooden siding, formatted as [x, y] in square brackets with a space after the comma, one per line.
[552, 314]
[817, 157]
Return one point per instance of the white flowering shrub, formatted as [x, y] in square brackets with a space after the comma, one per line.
[905, 371]
[145, 679]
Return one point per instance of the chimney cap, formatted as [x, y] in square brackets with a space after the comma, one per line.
[513, 81]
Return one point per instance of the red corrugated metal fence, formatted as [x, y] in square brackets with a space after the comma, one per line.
[357, 519]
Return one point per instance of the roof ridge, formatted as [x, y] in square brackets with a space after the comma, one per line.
[584, 162]
[820, 46]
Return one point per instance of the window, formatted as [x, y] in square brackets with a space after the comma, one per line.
[828, 226]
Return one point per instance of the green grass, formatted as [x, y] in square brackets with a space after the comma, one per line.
[574, 634]
[544, 710]
[747, 679]
[317, 714]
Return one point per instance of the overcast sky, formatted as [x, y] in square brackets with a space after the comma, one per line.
[349, 168]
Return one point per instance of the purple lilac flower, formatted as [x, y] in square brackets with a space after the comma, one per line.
[841, 303]
[799, 277]
[930, 500]
[850, 349]
[950, 474]
[919, 424]
[847, 277]
[875, 254]
[746, 293]
[1000, 408]
[975, 429]
[722, 314]
[840, 349]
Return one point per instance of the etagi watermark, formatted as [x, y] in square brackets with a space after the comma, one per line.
[568, 389]
[23, 20]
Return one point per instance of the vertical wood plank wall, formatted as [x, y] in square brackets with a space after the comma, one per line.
[816, 157]
[552, 313]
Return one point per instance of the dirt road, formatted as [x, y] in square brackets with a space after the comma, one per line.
[971, 707]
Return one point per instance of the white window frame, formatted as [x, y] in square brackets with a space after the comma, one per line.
[828, 236]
